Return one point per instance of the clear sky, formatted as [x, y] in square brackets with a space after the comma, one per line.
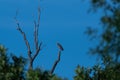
[61, 21]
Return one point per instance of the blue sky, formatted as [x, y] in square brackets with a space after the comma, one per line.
[61, 21]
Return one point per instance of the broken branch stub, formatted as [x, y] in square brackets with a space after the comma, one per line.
[58, 58]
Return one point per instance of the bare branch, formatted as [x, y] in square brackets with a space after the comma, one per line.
[26, 43]
[58, 59]
[25, 39]
[35, 35]
[39, 12]
[37, 45]
[36, 29]
[37, 51]
[56, 62]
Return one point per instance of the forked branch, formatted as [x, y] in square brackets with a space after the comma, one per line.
[37, 45]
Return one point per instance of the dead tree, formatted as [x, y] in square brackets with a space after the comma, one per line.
[31, 55]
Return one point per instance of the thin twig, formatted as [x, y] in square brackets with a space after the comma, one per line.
[39, 12]
[35, 35]
[26, 43]
[36, 30]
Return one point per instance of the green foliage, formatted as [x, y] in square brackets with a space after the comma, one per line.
[13, 68]
[110, 38]
[98, 3]
[109, 43]
[82, 73]
[108, 48]
[98, 72]
[109, 72]
[38, 74]
[34, 74]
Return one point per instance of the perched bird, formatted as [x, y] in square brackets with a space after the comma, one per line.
[60, 46]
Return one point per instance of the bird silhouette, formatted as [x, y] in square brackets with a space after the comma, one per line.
[60, 46]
